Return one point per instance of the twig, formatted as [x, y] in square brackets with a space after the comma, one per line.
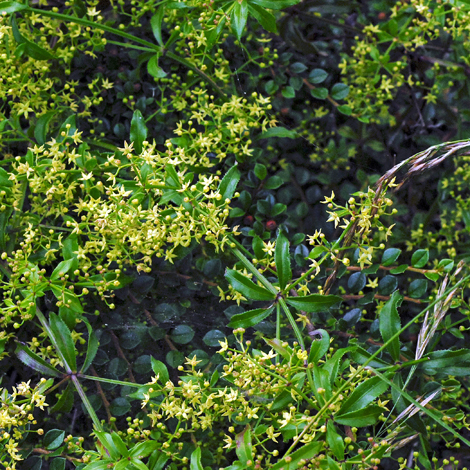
[102, 395]
[381, 297]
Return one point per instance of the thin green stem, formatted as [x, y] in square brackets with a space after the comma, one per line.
[87, 403]
[335, 396]
[110, 381]
[130, 37]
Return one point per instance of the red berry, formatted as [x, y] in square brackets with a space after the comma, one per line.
[271, 225]
[248, 220]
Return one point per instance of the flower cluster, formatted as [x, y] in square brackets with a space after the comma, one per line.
[16, 416]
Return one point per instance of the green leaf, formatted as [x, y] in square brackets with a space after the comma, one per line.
[288, 92]
[387, 284]
[360, 418]
[447, 362]
[420, 258]
[40, 131]
[107, 442]
[66, 400]
[58, 463]
[195, 463]
[26, 356]
[418, 288]
[314, 303]
[319, 347]
[317, 76]
[282, 260]
[273, 183]
[250, 318]
[53, 439]
[64, 341]
[339, 91]
[345, 109]
[154, 69]
[304, 453]
[335, 441]
[399, 269]
[239, 17]
[446, 265]
[156, 23]
[278, 132]
[264, 17]
[390, 324]
[247, 287]
[364, 394]
[120, 406]
[138, 131]
[260, 171]
[143, 449]
[119, 443]
[390, 256]
[212, 338]
[275, 4]
[161, 370]
[319, 93]
[63, 268]
[182, 334]
[357, 282]
[92, 348]
[11, 7]
[244, 447]
[229, 183]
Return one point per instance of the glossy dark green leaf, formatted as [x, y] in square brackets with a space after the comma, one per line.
[212, 338]
[282, 260]
[138, 131]
[390, 256]
[314, 303]
[57, 463]
[182, 334]
[345, 109]
[317, 76]
[357, 282]
[353, 316]
[161, 370]
[278, 132]
[339, 91]
[156, 23]
[365, 393]
[390, 324]
[264, 17]
[260, 171]
[120, 406]
[420, 258]
[417, 288]
[365, 417]
[11, 7]
[387, 284]
[288, 92]
[239, 17]
[26, 356]
[53, 439]
[143, 449]
[273, 183]
[174, 358]
[249, 318]
[446, 265]
[247, 287]
[142, 364]
[399, 269]
[319, 93]
[201, 356]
